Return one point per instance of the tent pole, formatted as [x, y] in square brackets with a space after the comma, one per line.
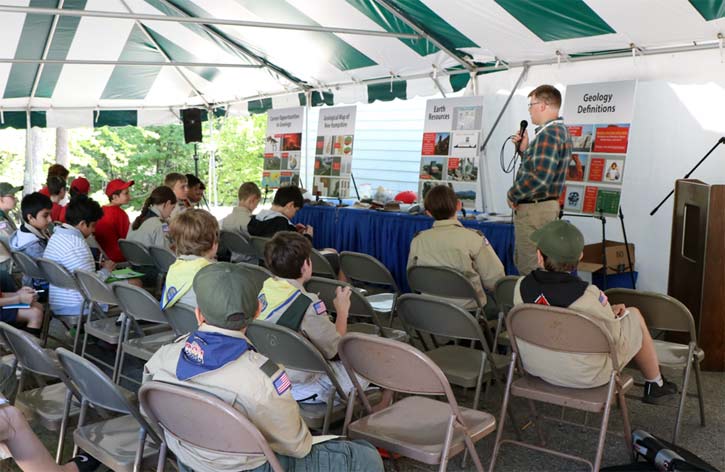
[308, 95]
[29, 164]
[48, 41]
[43, 62]
[212, 158]
[483, 181]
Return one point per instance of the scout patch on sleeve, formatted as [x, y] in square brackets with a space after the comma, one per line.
[485, 241]
[320, 307]
[165, 227]
[269, 368]
[282, 383]
[263, 300]
[603, 298]
[3, 224]
[541, 300]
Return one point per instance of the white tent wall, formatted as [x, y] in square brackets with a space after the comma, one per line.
[677, 119]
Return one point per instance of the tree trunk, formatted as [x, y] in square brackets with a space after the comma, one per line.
[34, 177]
[62, 156]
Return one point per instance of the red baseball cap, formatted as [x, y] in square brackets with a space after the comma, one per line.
[117, 184]
[81, 185]
[406, 197]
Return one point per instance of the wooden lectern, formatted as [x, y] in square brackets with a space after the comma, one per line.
[697, 263]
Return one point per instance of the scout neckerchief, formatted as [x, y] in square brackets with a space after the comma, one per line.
[206, 352]
[552, 288]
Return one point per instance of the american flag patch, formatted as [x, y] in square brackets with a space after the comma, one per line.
[282, 384]
[541, 300]
[320, 307]
[603, 298]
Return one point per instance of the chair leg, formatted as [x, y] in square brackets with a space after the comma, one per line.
[605, 422]
[700, 398]
[683, 396]
[162, 457]
[539, 423]
[502, 417]
[328, 412]
[63, 426]
[349, 410]
[447, 445]
[138, 459]
[79, 326]
[81, 420]
[627, 426]
[479, 382]
[471, 447]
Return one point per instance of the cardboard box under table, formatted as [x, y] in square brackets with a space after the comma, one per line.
[618, 268]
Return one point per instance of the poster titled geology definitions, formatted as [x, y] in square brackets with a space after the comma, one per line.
[282, 148]
[598, 117]
[333, 152]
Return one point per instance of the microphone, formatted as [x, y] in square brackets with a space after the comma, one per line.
[522, 130]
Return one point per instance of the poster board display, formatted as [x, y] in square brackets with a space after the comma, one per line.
[450, 153]
[283, 148]
[333, 152]
[599, 118]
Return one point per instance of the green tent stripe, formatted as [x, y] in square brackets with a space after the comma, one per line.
[385, 93]
[134, 82]
[709, 9]
[116, 118]
[423, 17]
[17, 119]
[553, 20]
[65, 31]
[337, 52]
[259, 106]
[31, 45]
[459, 81]
[177, 53]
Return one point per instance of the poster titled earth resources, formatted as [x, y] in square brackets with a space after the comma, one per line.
[282, 148]
[333, 152]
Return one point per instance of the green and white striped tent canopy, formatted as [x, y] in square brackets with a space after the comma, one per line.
[74, 63]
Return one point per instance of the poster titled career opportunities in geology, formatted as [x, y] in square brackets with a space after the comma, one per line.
[282, 147]
[598, 117]
[333, 152]
[450, 151]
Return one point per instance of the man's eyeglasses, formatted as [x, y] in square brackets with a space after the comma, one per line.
[534, 103]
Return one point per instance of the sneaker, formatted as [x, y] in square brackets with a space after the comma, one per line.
[654, 394]
[86, 463]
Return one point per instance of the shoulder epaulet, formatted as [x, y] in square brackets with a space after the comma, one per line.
[265, 364]
[477, 231]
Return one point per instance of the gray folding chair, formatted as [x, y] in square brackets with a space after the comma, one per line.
[360, 307]
[163, 258]
[27, 265]
[443, 282]
[139, 305]
[258, 273]
[241, 249]
[203, 421]
[136, 253]
[47, 403]
[504, 294]
[375, 277]
[181, 318]
[664, 313]
[104, 327]
[321, 267]
[258, 243]
[417, 426]
[291, 349]
[124, 443]
[566, 332]
[58, 276]
[463, 366]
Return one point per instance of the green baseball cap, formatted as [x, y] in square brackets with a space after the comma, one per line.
[8, 189]
[560, 241]
[226, 295]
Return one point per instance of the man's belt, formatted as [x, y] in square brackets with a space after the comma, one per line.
[540, 200]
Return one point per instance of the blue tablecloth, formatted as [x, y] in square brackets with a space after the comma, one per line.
[387, 236]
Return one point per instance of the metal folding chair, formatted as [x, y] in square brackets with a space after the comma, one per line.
[181, 318]
[257, 273]
[58, 276]
[369, 272]
[563, 331]
[321, 267]
[203, 421]
[163, 258]
[504, 293]
[258, 243]
[417, 426]
[241, 249]
[664, 313]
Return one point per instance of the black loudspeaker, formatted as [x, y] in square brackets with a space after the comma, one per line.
[192, 125]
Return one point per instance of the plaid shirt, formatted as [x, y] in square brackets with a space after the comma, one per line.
[543, 167]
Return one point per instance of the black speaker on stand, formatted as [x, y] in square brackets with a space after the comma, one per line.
[191, 117]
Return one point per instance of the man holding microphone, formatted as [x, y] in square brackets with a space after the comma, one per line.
[534, 196]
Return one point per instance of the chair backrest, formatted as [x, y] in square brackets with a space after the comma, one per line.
[236, 243]
[57, 275]
[321, 267]
[28, 265]
[95, 289]
[365, 268]
[258, 273]
[181, 318]
[393, 365]
[557, 329]
[203, 420]
[439, 317]
[258, 243]
[138, 303]
[504, 292]
[28, 351]
[325, 289]
[163, 258]
[441, 282]
[136, 253]
[660, 311]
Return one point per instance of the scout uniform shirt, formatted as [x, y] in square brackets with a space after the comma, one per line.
[575, 370]
[224, 363]
[7, 228]
[449, 244]
[152, 232]
[237, 222]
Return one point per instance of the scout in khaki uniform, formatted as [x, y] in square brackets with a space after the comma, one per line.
[237, 221]
[559, 249]
[449, 244]
[219, 359]
[285, 302]
[7, 224]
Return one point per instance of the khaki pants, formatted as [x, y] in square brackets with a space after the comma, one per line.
[529, 217]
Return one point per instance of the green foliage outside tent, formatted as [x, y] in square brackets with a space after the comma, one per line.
[146, 155]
